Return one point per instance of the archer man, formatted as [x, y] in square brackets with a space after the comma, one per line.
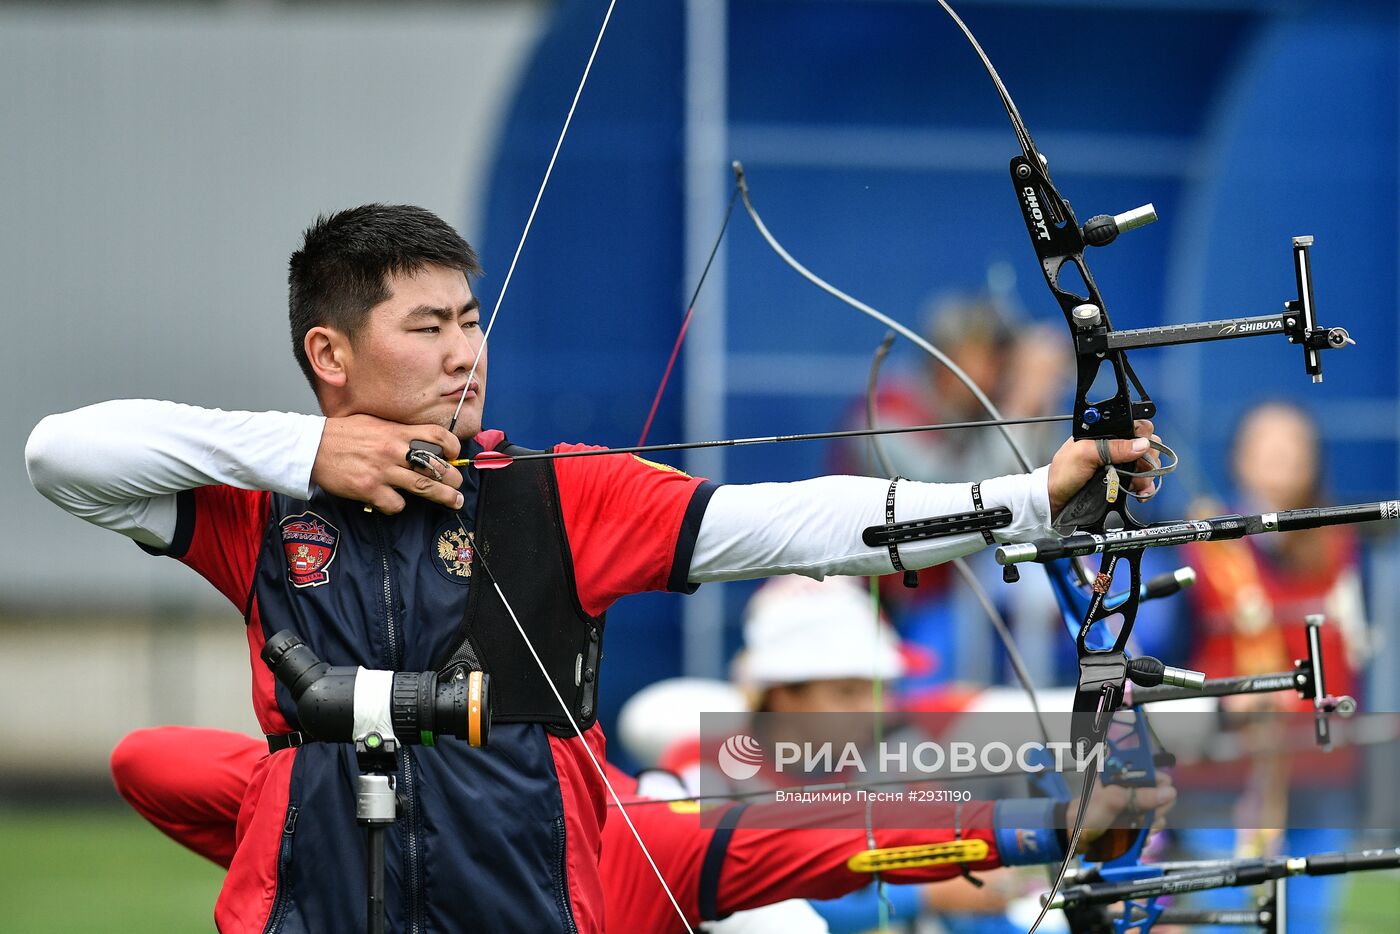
[274, 510]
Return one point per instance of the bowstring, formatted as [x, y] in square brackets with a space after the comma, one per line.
[534, 209]
[685, 322]
[480, 353]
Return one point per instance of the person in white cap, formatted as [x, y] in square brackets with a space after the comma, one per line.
[809, 649]
[814, 647]
[801, 652]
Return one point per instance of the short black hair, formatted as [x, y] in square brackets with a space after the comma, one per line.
[342, 268]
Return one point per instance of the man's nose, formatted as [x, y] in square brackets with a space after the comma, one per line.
[462, 354]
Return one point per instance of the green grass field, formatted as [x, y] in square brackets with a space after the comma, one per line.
[104, 869]
[100, 869]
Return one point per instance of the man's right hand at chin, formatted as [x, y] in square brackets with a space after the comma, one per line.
[365, 458]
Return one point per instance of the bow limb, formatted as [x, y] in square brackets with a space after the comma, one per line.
[870, 312]
[927, 347]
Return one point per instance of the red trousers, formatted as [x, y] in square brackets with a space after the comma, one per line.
[190, 784]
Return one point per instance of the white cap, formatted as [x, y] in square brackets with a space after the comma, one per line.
[662, 714]
[797, 629]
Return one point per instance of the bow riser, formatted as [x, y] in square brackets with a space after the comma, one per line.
[1058, 239]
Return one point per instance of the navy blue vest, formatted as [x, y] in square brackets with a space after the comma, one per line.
[479, 845]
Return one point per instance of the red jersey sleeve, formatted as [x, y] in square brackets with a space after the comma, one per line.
[218, 533]
[717, 870]
[812, 854]
[631, 524]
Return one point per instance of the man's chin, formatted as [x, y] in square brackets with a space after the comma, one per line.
[468, 424]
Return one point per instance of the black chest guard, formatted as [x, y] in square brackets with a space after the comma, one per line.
[521, 546]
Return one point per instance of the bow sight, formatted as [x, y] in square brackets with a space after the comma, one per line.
[1295, 322]
[1307, 678]
[1058, 239]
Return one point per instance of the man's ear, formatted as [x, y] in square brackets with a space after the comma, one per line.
[329, 352]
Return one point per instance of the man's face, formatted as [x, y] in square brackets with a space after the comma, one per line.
[409, 362]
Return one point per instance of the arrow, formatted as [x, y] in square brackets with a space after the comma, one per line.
[494, 460]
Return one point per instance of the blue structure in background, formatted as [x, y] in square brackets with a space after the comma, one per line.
[877, 150]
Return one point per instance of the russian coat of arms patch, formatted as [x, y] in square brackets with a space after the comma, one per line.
[454, 551]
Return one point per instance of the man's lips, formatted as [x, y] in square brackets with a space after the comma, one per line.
[457, 393]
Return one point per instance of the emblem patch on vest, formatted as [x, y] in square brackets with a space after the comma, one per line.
[454, 551]
[309, 542]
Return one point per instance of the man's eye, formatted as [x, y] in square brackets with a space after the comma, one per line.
[428, 330]
[471, 325]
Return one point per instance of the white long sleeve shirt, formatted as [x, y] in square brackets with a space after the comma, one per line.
[120, 465]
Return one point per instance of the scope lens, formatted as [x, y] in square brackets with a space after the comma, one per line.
[463, 707]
